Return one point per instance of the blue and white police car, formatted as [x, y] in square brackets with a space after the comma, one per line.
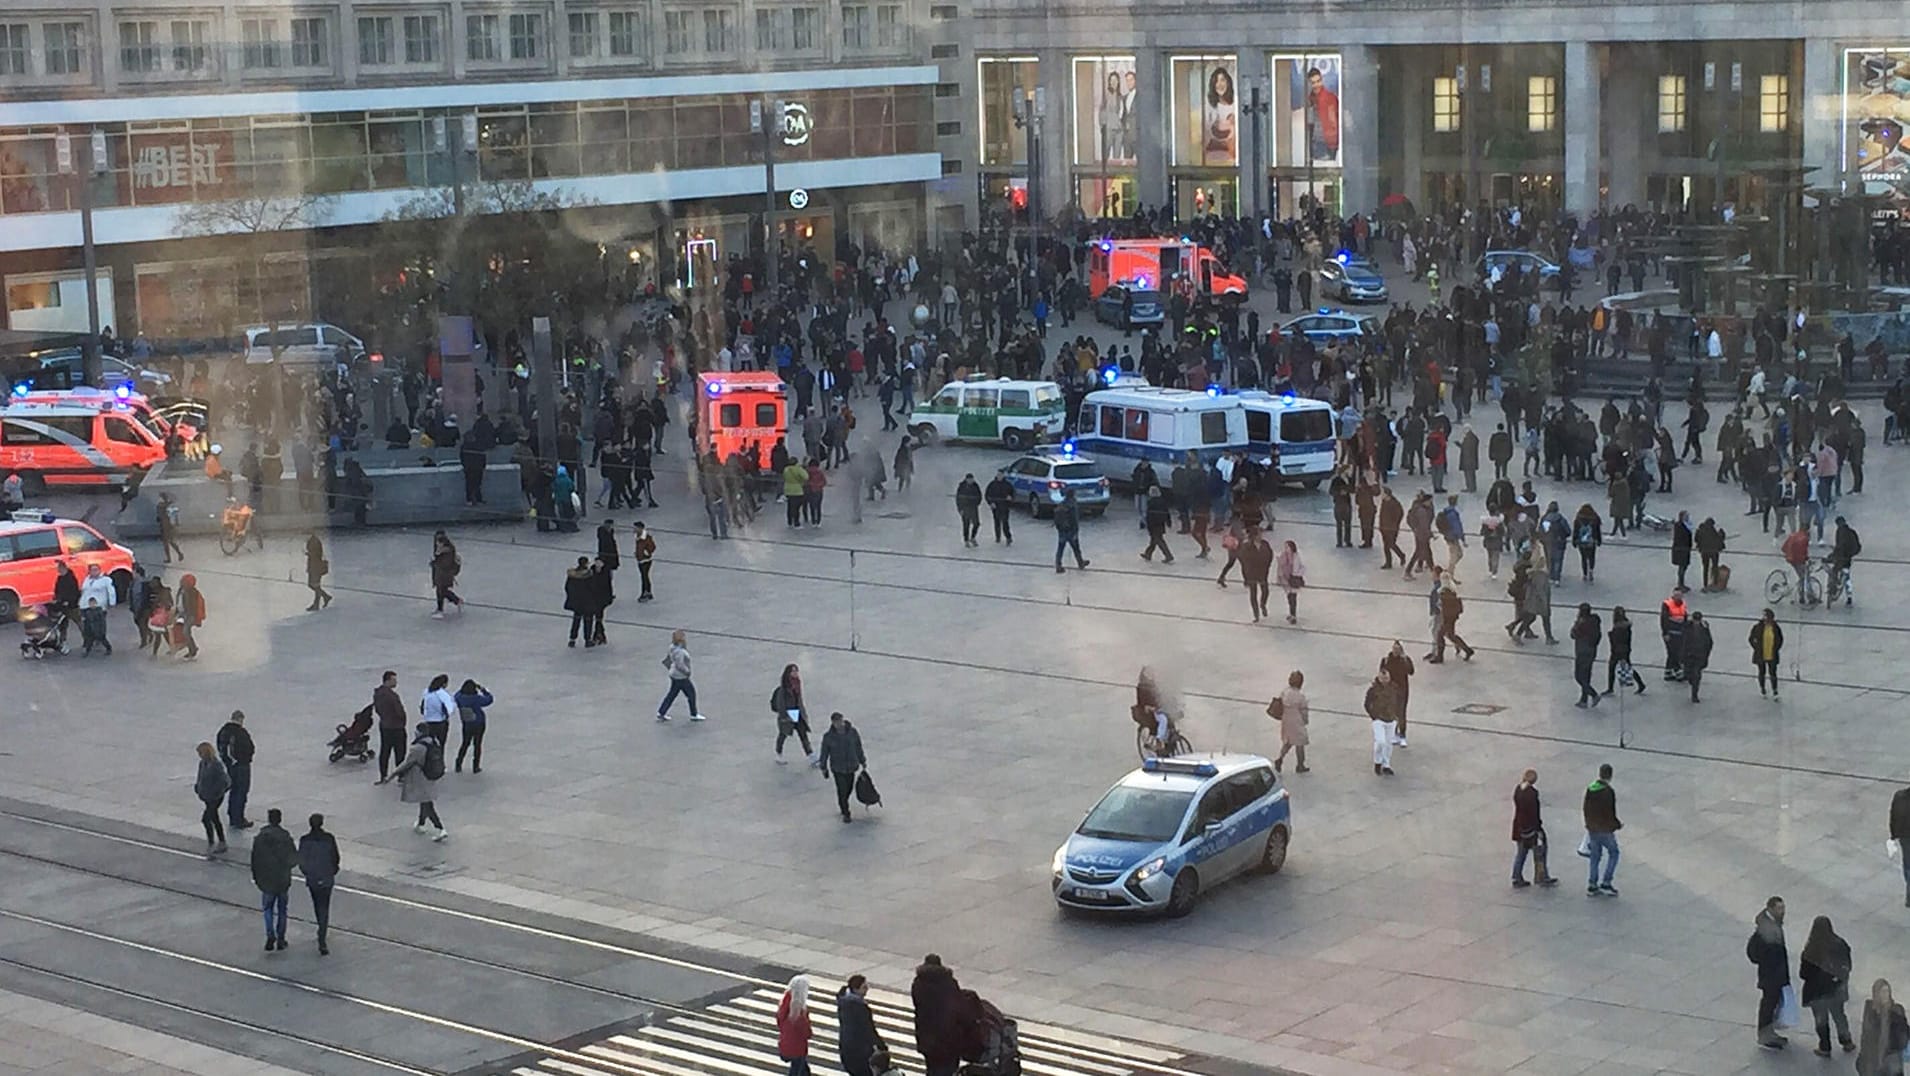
[1171, 830]
[1042, 477]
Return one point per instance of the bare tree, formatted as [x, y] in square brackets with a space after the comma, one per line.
[256, 217]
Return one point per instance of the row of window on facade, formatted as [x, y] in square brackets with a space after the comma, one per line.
[166, 163]
[188, 46]
[1674, 104]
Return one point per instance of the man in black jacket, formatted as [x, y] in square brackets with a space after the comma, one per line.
[1601, 832]
[937, 1001]
[235, 750]
[393, 733]
[272, 859]
[318, 862]
[1000, 497]
[840, 754]
[1766, 950]
[1900, 832]
[968, 504]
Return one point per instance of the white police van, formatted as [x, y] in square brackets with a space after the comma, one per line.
[1014, 414]
[1171, 830]
[1294, 434]
[1141, 422]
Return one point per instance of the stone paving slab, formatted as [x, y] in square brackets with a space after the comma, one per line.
[45, 1038]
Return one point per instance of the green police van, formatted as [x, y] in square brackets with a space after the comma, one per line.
[1014, 414]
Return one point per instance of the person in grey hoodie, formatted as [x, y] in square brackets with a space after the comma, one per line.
[678, 662]
[210, 786]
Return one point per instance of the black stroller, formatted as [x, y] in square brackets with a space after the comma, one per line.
[42, 635]
[353, 740]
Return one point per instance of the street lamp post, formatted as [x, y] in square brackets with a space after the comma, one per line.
[96, 161]
[1311, 196]
[1029, 109]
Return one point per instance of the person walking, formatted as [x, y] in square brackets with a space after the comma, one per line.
[1601, 833]
[445, 566]
[1449, 607]
[1289, 708]
[813, 487]
[391, 722]
[1588, 533]
[1618, 654]
[1382, 711]
[235, 751]
[1673, 617]
[644, 552]
[580, 601]
[1767, 647]
[1452, 530]
[1256, 562]
[840, 755]
[316, 568]
[1419, 520]
[968, 505]
[1536, 605]
[1697, 652]
[188, 613]
[1528, 834]
[1000, 497]
[1824, 970]
[1290, 573]
[166, 515]
[941, 1028]
[472, 701]
[1399, 671]
[1682, 540]
[1067, 531]
[1709, 541]
[1885, 1034]
[858, 1039]
[1765, 950]
[318, 862]
[1586, 631]
[795, 481]
[1391, 515]
[1900, 833]
[273, 857]
[415, 779]
[436, 706]
[1158, 518]
[211, 783]
[792, 716]
[677, 660]
[792, 1026]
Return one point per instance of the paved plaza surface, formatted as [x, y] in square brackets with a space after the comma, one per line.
[992, 698]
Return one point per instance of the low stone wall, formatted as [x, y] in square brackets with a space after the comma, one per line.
[405, 492]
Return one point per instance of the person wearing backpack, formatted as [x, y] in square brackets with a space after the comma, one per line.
[416, 775]
[1452, 527]
[1588, 533]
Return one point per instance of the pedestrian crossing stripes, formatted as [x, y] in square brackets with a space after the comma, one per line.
[737, 1037]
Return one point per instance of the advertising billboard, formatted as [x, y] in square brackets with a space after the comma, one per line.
[1306, 110]
[1106, 133]
[1876, 112]
[1205, 108]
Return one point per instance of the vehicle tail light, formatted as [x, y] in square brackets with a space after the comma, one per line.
[1052, 484]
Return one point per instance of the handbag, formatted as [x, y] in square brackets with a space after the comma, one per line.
[1277, 708]
[1585, 846]
[1893, 848]
[1296, 581]
[1230, 541]
[1787, 1009]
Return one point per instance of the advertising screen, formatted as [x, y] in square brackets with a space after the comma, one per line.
[1306, 110]
[1105, 131]
[1206, 111]
[1876, 111]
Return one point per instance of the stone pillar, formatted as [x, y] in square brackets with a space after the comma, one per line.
[1822, 111]
[1359, 128]
[1250, 70]
[1150, 106]
[1053, 78]
[1413, 81]
[1582, 106]
[1631, 125]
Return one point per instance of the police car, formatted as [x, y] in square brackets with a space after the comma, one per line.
[1172, 829]
[1041, 478]
[1327, 326]
[1112, 307]
[1494, 264]
[1353, 279]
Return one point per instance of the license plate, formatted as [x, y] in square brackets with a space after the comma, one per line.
[1091, 894]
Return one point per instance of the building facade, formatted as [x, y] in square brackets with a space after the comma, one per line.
[1249, 107]
[311, 122]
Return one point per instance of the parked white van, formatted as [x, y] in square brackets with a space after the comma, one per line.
[302, 345]
[1163, 425]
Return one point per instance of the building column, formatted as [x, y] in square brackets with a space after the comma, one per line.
[1582, 107]
[1053, 79]
[1250, 70]
[1821, 86]
[1631, 108]
[1359, 128]
[1150, 106]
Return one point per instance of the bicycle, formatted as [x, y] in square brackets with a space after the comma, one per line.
[235, 526]
[1839, 585]
[1782, 584]
[1147, 745]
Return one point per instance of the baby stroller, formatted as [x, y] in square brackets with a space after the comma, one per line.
[42, 634]
[353, 739]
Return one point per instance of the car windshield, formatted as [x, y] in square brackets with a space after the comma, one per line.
[1137, 814]
[1145, 296]
[1306, 426]
[1076, 471]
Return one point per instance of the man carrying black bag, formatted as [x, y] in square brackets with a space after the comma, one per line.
[840, 754]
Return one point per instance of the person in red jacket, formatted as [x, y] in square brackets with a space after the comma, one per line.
[792, 1026]
[1797, 553]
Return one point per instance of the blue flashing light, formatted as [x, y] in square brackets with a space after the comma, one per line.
[1106, 245]
[715, 388]
[1109, 374]
[1174, 765]
[1325, 310]
[1067, 447]
[22, 389]
[1287, 396]
[1341, 257]
[1213, 390]
[123, 391]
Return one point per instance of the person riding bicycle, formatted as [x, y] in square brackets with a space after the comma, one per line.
[1844, 548]
[1149, 707]
[1797, 553]
[237, 517]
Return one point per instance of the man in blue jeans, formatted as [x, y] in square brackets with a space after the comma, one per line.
[273, 856]
[1900, 832]
[1601, 832]
[1067, 531]
[235, 750]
